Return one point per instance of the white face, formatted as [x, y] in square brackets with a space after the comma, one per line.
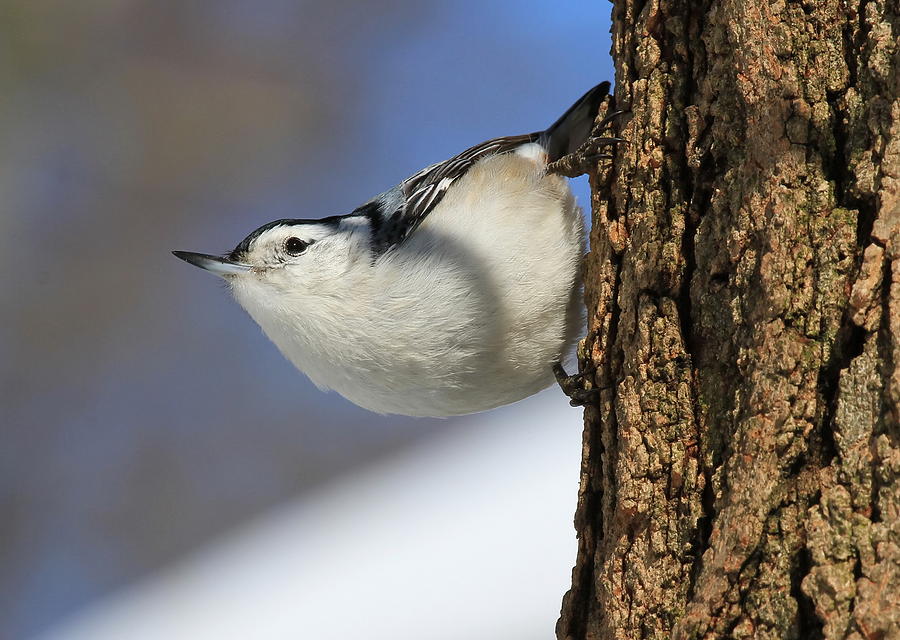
[300, 256]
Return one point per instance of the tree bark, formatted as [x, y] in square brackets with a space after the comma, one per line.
[741, 468]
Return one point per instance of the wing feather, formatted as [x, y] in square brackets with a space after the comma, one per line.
[424, 190]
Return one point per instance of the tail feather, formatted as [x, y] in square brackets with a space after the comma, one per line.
[573, 128]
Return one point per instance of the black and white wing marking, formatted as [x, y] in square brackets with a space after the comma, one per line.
[425, 189]
[395, 216]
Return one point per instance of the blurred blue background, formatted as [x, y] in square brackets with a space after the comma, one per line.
[144, 415]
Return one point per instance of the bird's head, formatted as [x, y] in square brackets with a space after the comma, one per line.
[290, 257]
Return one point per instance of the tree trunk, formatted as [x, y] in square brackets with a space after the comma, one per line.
[741, 468]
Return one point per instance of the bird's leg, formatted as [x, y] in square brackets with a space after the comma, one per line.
[573, 387]
[583, 159]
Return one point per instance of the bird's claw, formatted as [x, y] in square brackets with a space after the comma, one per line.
[607, 120]
[584, 159]
[573, 387]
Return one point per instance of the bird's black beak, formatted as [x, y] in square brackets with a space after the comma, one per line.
[214, 264]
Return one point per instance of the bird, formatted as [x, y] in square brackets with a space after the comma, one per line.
[454, 292]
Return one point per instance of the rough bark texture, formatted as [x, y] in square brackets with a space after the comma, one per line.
[741, 470]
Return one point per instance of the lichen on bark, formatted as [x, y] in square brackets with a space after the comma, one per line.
[740, 470]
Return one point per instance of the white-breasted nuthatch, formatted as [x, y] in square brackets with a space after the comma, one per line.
[456, 291]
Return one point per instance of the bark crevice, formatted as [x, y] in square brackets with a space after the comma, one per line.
[809, 625]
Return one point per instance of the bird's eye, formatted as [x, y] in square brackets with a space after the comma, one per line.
[295, 246]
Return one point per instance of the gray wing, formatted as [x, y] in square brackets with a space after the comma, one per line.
[397, 213]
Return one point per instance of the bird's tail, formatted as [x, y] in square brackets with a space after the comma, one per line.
[574, 126]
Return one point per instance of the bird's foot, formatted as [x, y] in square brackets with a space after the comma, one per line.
[584, 159]
[573, 387]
